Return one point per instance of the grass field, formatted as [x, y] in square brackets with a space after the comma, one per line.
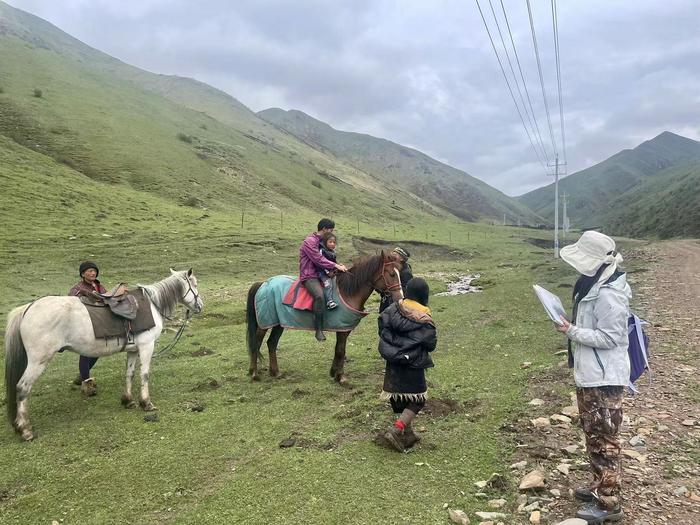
[94, 462]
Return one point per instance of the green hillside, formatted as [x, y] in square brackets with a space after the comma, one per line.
[172, 137]
[444, 186]
[668, 205]
[592, 192]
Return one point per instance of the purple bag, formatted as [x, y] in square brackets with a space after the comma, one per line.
[638, 350]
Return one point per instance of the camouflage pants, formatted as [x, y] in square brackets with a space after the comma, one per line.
[600, 409]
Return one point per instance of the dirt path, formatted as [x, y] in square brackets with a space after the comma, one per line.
[661, 435]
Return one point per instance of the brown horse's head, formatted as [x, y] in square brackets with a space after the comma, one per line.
[389, 280]
[374, 273]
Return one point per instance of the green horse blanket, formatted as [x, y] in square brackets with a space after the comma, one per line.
[270, 311]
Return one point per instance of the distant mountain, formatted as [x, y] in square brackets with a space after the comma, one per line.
[442, 185]
[667, 205]
[619, 189]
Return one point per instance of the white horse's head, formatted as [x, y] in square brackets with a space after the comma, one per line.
[190, 298]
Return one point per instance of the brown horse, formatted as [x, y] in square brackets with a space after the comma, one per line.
[374, 273]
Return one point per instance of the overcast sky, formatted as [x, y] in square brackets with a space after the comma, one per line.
[423, 73]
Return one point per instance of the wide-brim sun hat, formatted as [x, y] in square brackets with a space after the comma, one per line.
[590, 252]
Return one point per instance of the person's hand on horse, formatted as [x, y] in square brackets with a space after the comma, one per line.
[341, 268]
[564, 326]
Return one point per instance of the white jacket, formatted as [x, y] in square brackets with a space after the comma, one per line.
[601, 327]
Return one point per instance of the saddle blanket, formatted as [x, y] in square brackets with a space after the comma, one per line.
[298, 297]
[106, 324]
[270, 310]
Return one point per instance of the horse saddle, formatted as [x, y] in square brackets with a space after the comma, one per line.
[298, 297]
[119, 312]
[121, 302]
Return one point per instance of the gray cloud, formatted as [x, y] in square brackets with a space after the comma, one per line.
[422, 73]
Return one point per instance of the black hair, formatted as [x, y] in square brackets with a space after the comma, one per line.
[418, 290]
[326, 236]
[325, 223]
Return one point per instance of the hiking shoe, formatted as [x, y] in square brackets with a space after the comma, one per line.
[89, 387]
[331, 304]
[583, 494]
[595, 515]
[395, 437]
[411, 438]
[320, 336]
[78, 380]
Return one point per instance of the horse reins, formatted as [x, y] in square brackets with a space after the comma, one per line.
[387, 287]
[180, 330]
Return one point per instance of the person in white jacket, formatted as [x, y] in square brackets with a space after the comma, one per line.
[598, 343]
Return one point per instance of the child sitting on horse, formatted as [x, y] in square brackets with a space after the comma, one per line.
[407, 336]
[310, 263]
[327, 245]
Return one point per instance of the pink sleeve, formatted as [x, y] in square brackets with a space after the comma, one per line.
[314, 255]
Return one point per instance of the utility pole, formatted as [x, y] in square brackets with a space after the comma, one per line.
[565, 219]
[556, 204]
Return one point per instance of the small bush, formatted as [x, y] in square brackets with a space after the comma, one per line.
[192, 202]
[38, 93]
[317, 184]
[185, 138]
[2, 89]
[203, 126]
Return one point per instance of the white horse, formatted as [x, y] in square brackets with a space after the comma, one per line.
[36, 331]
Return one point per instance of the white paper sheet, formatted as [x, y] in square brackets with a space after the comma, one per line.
[552, 304]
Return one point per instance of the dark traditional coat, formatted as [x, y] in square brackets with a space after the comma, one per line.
[406, 338]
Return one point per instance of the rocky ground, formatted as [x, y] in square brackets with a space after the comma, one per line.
[661, 434]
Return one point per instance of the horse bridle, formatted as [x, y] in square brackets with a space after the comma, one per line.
[190, 289]
[387, 287]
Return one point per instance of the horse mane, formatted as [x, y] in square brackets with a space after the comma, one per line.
[362, 272]
[167, 293]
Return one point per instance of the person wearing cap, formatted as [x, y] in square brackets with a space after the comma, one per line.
[88, 286]
[405, 274]
[598, 354]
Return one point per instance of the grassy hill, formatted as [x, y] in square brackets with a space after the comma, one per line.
[442, 185]
[171, 137]
[601, 192]
[664, 206]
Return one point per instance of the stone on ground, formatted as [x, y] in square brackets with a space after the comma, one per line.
[532, 480]
[491, 515]
[458, 516]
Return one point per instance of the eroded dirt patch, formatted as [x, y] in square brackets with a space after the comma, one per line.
[438, 408]
[417, 249]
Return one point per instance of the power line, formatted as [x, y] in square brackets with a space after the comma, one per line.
[522, 76]
[539, 69]
[512, 95]
[515, 79]
[555, 26]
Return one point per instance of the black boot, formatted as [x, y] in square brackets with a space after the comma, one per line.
[594, 515]
[583, 494]
[319, 308]
[396, 438]
[411, 438]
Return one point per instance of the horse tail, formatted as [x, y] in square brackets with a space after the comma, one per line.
[252, 320]
[15, 359]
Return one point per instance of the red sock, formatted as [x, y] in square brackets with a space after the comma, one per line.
[400, 424]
